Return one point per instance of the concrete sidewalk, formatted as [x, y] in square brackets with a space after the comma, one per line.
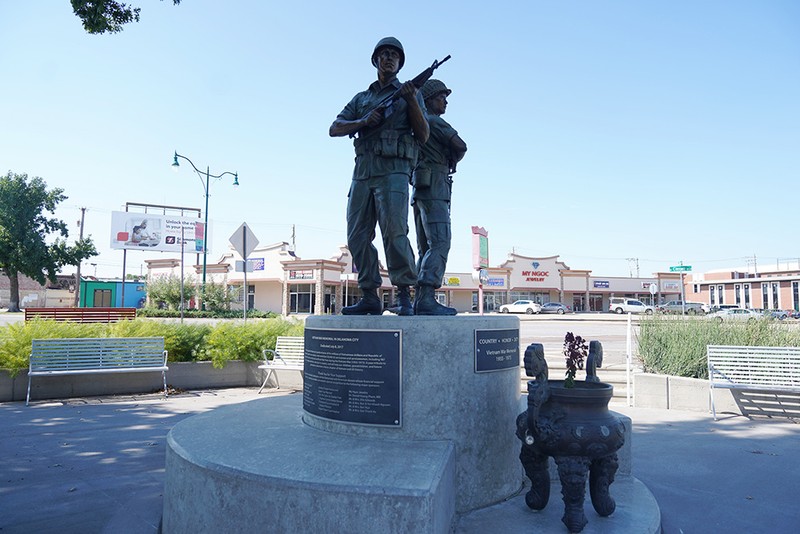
[97, 465]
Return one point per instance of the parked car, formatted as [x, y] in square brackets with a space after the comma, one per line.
[625, 305]
[718, 307]
[735, 314]
[521, 306]
[676, 306]
[778, 314]
[555, 307]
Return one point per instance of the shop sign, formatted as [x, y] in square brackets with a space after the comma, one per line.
[496, 282]
[535, 276]
[258, 263]
[670, 286]
[453, 281]
[646, 285]
[301, 275]
[601, 284]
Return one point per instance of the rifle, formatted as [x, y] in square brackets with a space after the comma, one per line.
[418, 81]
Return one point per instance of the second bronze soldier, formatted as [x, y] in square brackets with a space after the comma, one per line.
[433, 182]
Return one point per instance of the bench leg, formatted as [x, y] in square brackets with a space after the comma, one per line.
[28, 398]
[713, 408]
[269, 373]
[164, 376]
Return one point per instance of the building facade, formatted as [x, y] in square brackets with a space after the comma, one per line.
[768, 288]
[281, 282]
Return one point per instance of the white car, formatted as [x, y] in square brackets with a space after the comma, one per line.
[625, 305]
[735, 314]
[522, 306]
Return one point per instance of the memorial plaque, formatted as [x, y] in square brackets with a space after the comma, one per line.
[496, 350]
[354, 375]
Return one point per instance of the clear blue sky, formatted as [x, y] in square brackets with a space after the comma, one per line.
[597, 130]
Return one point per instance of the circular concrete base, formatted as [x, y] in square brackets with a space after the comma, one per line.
[256, 467]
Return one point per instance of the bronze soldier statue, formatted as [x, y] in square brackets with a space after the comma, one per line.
[433, 183]
[387, 141]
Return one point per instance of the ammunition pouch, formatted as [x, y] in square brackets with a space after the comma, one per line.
[421, 178]
[388, 144]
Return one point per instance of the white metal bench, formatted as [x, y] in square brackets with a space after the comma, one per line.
[753, 368]
[72, 356]
[287, 356]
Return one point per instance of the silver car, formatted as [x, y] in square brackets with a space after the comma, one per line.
[555, 307]
[735, 314]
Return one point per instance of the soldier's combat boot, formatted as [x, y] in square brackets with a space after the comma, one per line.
[425, 303]
[369, 304]
[402, 304]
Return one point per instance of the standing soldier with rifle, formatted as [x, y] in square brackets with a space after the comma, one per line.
[390, 123]
[431, 199]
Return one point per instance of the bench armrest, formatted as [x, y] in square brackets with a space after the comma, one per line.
[266, 358]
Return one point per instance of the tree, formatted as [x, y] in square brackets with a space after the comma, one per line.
[25, 230]
[106, 16]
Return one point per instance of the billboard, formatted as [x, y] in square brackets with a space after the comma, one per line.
[152, 231]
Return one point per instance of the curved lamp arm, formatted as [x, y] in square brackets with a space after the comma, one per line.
[176, 164]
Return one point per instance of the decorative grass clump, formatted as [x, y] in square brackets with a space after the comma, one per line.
[677, 345]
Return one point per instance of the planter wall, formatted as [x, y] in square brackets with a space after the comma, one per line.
[181, 375]
[678, 393]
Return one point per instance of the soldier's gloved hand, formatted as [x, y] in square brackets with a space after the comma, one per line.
[408, 91]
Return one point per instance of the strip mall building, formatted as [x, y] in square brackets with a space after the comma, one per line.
[283, 283]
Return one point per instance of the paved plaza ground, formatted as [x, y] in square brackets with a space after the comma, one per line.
[97, 464]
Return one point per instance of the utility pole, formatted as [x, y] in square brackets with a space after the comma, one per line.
[752, 261]
[631, 263]
[78, 271]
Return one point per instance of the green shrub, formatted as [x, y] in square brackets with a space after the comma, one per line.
[184, 342]
[15, 338]
[230, 341]
[204, 314]
[677, 345]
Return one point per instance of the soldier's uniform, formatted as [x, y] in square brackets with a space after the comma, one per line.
[431, 200]
[385, 158]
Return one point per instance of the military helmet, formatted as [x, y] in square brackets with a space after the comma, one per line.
[434, 87]
[390, 42]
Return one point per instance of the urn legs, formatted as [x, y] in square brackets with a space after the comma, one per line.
[572, 471]
[537, 470]
[601, 475]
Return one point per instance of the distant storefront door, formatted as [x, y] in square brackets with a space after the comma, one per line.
[595, 302]
[102, 298]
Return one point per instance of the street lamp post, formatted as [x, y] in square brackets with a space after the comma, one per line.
[206, 185]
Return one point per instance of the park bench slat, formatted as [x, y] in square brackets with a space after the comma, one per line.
[82, 315]
[71, 356]
[753, 368]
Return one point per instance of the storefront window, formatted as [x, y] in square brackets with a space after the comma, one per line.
[301, 298]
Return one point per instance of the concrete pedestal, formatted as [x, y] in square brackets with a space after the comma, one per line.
[267, 465]
[445, 399]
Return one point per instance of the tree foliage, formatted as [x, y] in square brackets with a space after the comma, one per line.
[106, 16]
[27, 245]
[166, 290]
